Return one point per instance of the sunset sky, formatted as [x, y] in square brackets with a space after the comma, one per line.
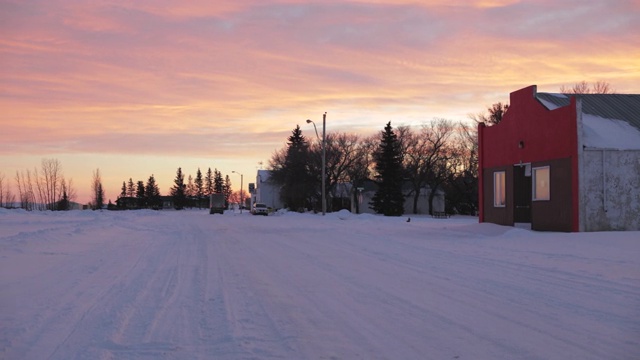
[136, 88]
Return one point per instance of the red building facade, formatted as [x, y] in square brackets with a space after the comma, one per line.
[528, 165]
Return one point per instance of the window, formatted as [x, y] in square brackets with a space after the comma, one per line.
[541, 190]
[499, 193]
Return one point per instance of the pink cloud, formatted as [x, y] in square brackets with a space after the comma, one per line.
[175, 77]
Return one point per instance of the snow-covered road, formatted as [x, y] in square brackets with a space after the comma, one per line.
[189, 285]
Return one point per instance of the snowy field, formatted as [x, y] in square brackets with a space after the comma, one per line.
[189, 285]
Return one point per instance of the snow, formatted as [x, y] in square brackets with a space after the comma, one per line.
[189, 285]
[609, 133]
[603, 133]
[548, 104]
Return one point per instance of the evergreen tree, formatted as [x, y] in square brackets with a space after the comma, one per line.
[208, 183]
[131, 189]
[226, 190]
[99, 197]
[123, 192]
[64, 203]
[191, 188]
[178, 191]
[298, 184]
[140, 194]
[140, 190]
[199, 185]
[152, 192]
[218, 182]
[388, 199]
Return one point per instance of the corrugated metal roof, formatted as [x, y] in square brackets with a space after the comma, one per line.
[609, 106]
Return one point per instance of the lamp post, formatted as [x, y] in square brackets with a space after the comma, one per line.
[324, 157]
[241, 193]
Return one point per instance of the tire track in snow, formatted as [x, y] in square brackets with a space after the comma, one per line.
[191, 285]
[512, 282]
[252, 329]
[62, 303]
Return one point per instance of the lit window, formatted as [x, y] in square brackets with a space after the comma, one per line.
[499, 193]
[541, 183]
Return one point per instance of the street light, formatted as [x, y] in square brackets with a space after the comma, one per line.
[241, 193]
[324, 157]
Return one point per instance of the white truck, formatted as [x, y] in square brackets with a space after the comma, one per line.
[260, 209]
[216, 204]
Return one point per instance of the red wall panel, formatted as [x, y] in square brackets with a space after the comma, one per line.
[546, 134]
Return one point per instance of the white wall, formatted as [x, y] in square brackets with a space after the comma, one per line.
[423, 203]
[612, 201]
[266, 192]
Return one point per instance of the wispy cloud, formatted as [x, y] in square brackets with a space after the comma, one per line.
[172, 77]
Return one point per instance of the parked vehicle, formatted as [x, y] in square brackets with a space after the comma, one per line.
[216, 204]
[259, 209]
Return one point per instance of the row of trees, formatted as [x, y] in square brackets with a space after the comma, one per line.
[440, 154]
[47, 189]
[146, 195]
[198, 186]
[7, 198]
[192, 193]
[41, 189]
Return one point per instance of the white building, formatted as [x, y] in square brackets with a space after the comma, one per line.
[365, 195]
[266, 192]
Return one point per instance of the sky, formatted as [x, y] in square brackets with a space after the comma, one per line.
[141, 88]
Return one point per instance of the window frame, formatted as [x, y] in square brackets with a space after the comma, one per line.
[499, 189]
[534, 183]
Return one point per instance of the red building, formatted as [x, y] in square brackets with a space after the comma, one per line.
[562, 162]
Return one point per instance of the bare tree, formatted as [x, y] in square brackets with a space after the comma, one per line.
[493, 116]
[49, 185]
[235, 196]
[3, 192]
[601, 87]
[362, 167]
[32, 184]
[21, 197]
[39, 190]
[426, 158]
[583, 87]
[462, 181]
[6, 197]
[341, 154]
[469, 144]
[25, 190]
[277, 160]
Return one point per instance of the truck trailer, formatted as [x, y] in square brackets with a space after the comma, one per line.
[216, 204]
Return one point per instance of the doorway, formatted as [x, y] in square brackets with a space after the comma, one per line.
[522, 193]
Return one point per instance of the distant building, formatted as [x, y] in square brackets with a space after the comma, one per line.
[265, 191]
[562, 162]
[343, 196]
[127, 202]
[364, 195]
